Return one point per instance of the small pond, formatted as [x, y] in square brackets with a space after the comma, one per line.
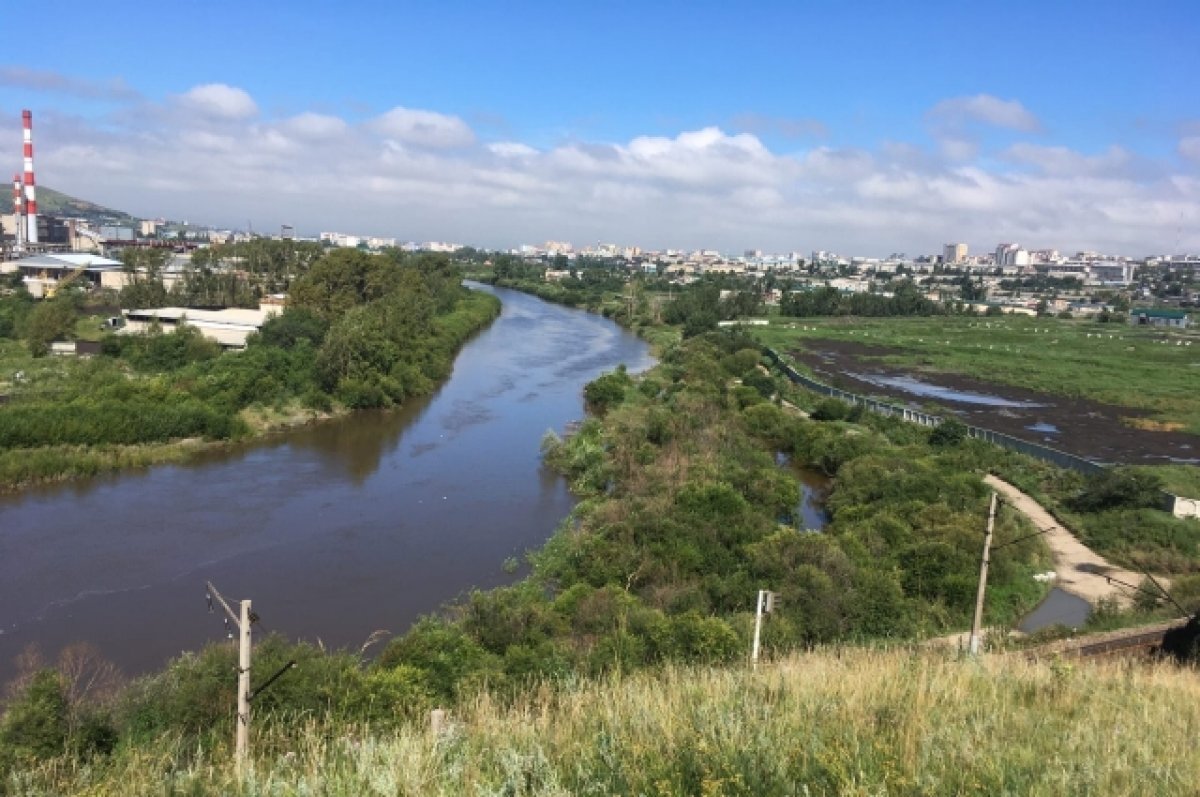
[927, 390]
[1058, 608]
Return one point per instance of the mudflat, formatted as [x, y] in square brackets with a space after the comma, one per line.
[1086, 428]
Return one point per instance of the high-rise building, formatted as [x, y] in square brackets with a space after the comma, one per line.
[1011, 255]
[954, 253]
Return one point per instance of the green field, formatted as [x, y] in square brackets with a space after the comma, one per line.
[1156, 371]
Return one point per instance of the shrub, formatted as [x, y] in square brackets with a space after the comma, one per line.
[949, 432]
[607, 391]
[1119, 488]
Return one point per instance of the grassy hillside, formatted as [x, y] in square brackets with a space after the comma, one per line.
[56, 203]
[837, 721]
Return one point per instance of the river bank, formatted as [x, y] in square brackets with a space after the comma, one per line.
[377, 512]
[23, 467]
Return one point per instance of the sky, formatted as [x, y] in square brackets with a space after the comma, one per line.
[857, 127]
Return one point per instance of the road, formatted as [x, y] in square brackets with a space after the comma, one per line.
[1080, 570]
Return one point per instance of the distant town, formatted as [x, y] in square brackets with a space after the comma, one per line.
[1011, 276]
[77, 239]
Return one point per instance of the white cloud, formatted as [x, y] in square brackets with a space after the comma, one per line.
[511, 149]
[959, 112]
[424, 175]
[314, 126]
[1190, 148]
[424, 128]
[56, 82]
[219, 101]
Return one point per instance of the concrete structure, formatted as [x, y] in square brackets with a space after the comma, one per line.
[1011, 255]
[31, 214]
[230, 327]
[954, 253]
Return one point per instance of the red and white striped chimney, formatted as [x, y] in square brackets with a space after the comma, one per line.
[18, 215]
[31, 235]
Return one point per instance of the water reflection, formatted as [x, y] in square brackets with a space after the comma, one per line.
[927, 390]
[334, 530]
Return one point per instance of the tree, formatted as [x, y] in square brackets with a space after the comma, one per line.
[50, 320]
[144, 278]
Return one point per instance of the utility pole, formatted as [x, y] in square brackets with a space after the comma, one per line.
[243, 621]
[766, 604]
[983, 572]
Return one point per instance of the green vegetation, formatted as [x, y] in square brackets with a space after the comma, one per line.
[685, 513]
[829, 722]
[1115, 513]
[359, 331]
[906, 299]
[1133, 367]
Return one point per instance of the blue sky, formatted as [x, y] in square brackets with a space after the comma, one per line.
[864, 127]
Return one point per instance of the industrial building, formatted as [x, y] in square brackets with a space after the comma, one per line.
[44, 274]
[230, 328]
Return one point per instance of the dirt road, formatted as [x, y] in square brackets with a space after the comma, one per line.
[1080, 570]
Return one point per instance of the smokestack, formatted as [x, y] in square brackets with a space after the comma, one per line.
[18, 214]
[31, 235]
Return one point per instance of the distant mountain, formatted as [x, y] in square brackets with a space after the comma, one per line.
[56, 203]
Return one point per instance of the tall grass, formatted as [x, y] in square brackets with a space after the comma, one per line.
[837, 721]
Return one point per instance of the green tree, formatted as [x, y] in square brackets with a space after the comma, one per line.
[51, 320]
[35, 725]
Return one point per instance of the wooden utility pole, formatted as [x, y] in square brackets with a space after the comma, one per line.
[983, 572]
[243, 622]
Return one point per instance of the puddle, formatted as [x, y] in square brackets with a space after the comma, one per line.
[1042, 426]
[925, 389]
[1057, 608]
[809, 513]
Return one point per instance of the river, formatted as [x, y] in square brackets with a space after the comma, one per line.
[334, 530]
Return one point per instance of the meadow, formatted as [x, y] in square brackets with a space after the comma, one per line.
[846, 721]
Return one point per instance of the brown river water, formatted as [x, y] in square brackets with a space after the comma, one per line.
[334, 530]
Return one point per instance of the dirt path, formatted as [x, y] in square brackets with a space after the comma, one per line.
[1080, 570]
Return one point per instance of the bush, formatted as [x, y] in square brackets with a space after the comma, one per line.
[831, 409]
[949, 432]
[1119, 488]
[34, 727]
[607, 391]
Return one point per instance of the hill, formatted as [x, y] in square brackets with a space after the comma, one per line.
[56, 203]
[835, 721]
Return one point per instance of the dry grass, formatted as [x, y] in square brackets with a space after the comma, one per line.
[855, 722]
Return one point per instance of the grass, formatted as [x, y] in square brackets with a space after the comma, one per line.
[1111, 363]
[838, 721]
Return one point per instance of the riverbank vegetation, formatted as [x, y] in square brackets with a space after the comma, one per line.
[687, 511]
[359, 331]
[640, 611]
[827, 722]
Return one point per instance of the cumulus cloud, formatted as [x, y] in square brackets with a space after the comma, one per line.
[960, 112]
[314, 126]
[56, 82]
[219, 101]
[422, 174]
[424, 128]
[511, 149]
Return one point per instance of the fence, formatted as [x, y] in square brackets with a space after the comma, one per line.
[1060, 458]
[1175, 504]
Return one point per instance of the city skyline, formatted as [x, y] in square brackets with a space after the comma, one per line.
[699, 126]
